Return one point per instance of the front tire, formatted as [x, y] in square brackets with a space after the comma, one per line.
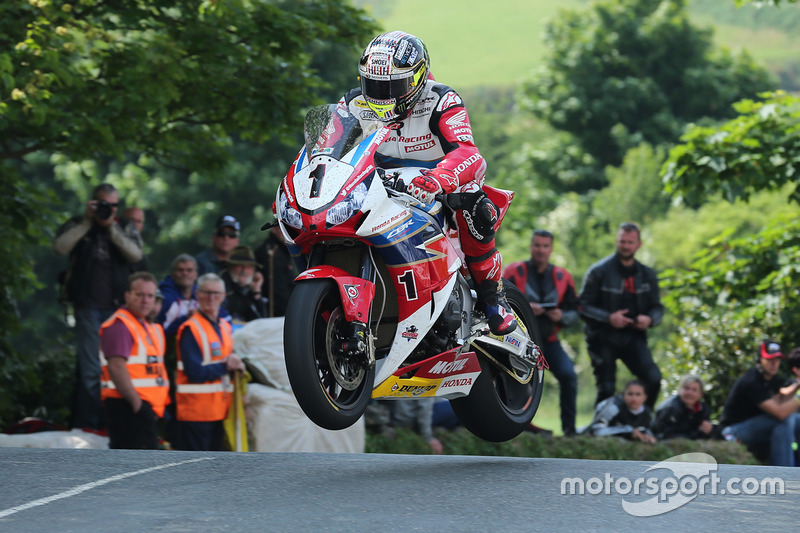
[499, 407]
[332, 389]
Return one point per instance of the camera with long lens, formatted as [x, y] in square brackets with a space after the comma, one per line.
[103, 210]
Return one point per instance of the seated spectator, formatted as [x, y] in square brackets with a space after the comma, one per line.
[417, 414]
[444, 416]
[759, 413]
[684, 415]
[243, 283]
[793, 361]
[179, 291]
[624, 415]
[223, 241]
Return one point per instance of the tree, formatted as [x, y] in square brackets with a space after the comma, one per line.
[628, 71]
[135, 88]
[736, 292]
[758, 150]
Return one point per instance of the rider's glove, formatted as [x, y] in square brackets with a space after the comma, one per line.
[432, 182]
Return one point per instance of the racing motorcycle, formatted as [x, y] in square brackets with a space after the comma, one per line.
[384, 307]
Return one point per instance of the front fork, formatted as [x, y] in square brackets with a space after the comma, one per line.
[357, 295]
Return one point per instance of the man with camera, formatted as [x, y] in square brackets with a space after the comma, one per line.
[102, 254]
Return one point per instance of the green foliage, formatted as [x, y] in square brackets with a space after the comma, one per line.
[628, 71]
[182, 105]
[462, 442]
[676, 237]
[758, 150]
[737, 292]
[167, 79]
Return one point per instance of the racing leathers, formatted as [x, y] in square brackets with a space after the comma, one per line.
[437, 135]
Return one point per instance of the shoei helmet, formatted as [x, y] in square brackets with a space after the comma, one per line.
[393, 69]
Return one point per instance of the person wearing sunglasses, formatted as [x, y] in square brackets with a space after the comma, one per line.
[102, 254]
[224, 239]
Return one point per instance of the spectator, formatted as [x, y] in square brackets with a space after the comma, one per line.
[135, 387]
[153, 314]
[624, 415]
[551, 292]
[277, 270]
[180, 299]
[793, 362]
[417, 414]
[757, 413]
[619, 301]
[223, 241]
[102, 254]
[135, 216]
[244, 300]
[684, 415]
[205, 356]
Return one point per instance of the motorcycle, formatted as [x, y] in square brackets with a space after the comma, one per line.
[383, 308]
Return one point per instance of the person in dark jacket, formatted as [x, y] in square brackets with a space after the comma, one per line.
[278, 270]
[551, 293]
[102, 254]
[624, 415]
[619, 301]
[684, 415]
[243, 284]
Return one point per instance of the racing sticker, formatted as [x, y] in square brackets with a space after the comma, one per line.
[411, 333]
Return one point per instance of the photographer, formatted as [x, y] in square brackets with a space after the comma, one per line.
[102, 254]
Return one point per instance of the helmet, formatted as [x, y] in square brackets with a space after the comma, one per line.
[393, 69]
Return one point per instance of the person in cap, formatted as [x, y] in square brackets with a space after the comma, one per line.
[759, 413]
[224, 239]
[243, 281]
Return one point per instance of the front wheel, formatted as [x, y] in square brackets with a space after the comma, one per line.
[499, 407]
[333, 389]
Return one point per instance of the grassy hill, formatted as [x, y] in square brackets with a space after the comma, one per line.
[499, 43]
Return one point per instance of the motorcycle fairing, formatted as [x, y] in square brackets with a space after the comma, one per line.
[356, 293]
[411, 330]
[449, 374]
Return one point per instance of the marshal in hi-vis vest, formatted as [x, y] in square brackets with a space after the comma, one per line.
[145, 362]
[208, 401]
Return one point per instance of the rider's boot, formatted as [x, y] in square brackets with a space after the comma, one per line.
[491, 295]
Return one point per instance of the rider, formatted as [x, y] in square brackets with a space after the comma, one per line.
[432, 129]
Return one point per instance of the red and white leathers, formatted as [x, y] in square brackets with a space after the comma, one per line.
[438, 135]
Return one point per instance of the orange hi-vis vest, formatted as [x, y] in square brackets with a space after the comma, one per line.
[208, 401]
[145, 362]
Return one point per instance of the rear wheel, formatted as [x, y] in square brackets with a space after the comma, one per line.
[499, 407]
[333, 389]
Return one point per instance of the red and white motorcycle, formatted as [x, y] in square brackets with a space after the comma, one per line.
[384, 307]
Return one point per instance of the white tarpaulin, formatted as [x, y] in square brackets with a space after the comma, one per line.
[275, 422]
[75, 438]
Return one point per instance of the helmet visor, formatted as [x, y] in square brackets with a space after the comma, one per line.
[386, 89]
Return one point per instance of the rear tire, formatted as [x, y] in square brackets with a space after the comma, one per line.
[333, 390]
[499, 407]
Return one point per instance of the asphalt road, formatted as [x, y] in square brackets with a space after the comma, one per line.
[108, 490]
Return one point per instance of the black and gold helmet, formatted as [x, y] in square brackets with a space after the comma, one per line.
[393, 69]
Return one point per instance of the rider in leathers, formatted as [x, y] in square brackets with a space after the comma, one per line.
[432, 129]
